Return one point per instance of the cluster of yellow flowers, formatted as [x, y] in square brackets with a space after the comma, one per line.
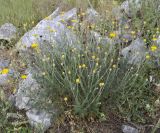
[112, 35]
[23, 76]
[82, 66]
[154, 48]
[4, 71]
[34, 45]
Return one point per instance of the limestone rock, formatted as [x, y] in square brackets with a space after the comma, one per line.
[8, 32]
[3, 79]
[23, 96]
[48, 31]
[39, 119]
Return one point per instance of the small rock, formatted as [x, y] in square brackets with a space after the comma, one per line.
[14, 116]
[3, 79]
[39, 119]
[117, 13]
[4, 63]
[129, 129]
[125, 7]
[128, 5]
[92, 15]
[12, 99]
[8, 32]
[24, 93]
[157, 88]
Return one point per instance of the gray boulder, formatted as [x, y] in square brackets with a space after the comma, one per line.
[8, 32]
[49, 31]
[46, 32]
[53, 29]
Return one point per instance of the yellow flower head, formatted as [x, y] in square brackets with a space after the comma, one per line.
[14, 90]
[5, 71]
[83, 65]
[83, 13]
[97, 59]
[94, 71]
[144, 22]
[65, 99]
[35, 35]
[112, 34]
[52, 30]
[74, 21]
[148, 56]
[34, 45]
[43, 73]
[114, 66]
[69, 72]
[62, 14]
[101, 84]
[77, 81]
[153, 48]
[93, 57]
[133, 32]
[25, 24]
[145, 40]
[48, 18]
[80, 66]
[63, 56]
[154, 39]
[23, 76]
[98, 47]
[126, 27]
[113, 22]
[70, 27]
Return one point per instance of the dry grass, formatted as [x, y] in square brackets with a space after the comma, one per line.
[20, 12]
